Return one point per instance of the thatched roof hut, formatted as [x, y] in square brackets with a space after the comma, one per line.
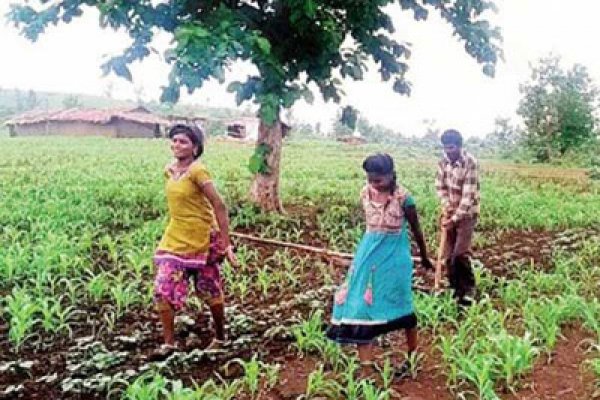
[136, 122]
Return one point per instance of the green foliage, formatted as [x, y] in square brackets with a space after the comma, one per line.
[71, 101]
[558, 108]
[504, 140]
[349, 117]
[377, 133]
[291, 42]
[215, 128]
[594, 170]
[258, 161]
[309, 334]
[75, 234]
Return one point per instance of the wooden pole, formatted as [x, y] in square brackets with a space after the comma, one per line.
[313, 249]
[303, 247]
[438, 264]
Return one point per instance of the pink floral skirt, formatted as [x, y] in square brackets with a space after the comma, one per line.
[174, 271]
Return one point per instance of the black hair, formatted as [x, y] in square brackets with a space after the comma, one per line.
[193, 132]
[452, 137]
[381, 164]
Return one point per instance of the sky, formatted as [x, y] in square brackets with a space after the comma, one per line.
[448, 88]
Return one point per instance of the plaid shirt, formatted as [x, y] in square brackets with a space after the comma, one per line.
[457, 186]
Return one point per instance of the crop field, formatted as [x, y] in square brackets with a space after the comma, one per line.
[80, 218]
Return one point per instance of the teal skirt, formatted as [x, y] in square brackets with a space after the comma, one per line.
[376, 296]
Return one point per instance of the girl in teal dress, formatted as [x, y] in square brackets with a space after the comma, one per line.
[376, 296]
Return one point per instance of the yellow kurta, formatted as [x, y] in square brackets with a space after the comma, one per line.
[191, 216]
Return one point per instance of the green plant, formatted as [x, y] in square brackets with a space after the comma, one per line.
[150, 386]
[265, 279]
[258, 162]
[319, 385]
[98, 286]
[309, 334]
[21, 309]
[515, 356]
[55, 317]
[254, 371]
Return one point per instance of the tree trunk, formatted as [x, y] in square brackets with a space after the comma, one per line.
[265, 188]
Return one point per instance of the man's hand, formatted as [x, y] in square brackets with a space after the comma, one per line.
[426, 263]
[445, 213]
[448, 223]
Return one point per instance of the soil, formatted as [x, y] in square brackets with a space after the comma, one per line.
[565, 377]
[562, 378]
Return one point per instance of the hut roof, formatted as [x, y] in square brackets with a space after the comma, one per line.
[93, 116]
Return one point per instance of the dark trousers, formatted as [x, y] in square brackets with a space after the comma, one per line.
[458, 257]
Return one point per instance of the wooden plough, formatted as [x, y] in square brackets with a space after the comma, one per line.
[347, 257]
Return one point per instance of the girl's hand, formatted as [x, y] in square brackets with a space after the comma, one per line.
[426, 263]
[230, 255]
[223, 243]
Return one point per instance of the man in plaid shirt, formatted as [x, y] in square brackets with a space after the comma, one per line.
[457, 186]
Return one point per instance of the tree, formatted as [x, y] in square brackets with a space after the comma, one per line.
[431, 138]
[505, 137]
[109, 89]
[292, 43]
[19, 101]
[31, 101]
[318, 128]
[25, 102]
[340, 128]
[558, 108]
[215, 127]
[71, 101]
[303, 129]
[376, 133]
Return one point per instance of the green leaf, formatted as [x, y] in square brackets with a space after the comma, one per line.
[310, 8]
[268, 114]
[255, 163]
[120, 68]
[170, 94]
[349, 117]
[264, 45]
[234, 87]
[269, 109]
[170, 55]
[489, 70]
[401, 87]
[308, 96]
[258, 161]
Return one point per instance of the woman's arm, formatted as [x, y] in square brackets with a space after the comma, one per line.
[413, 219]
[221, 214]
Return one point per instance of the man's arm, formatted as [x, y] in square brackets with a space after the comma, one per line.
[470, 189]
[441, 187]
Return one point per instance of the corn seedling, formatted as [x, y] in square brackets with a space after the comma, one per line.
[319, 385]
[21, 309]
[351, 387]
[309, 334]
[252, 373]
[515, 356]
[371, 392]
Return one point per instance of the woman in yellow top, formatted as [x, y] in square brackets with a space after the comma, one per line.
[196, 239]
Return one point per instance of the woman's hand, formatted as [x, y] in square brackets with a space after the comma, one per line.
[230, 255]
[226, 250]
[426, 263]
